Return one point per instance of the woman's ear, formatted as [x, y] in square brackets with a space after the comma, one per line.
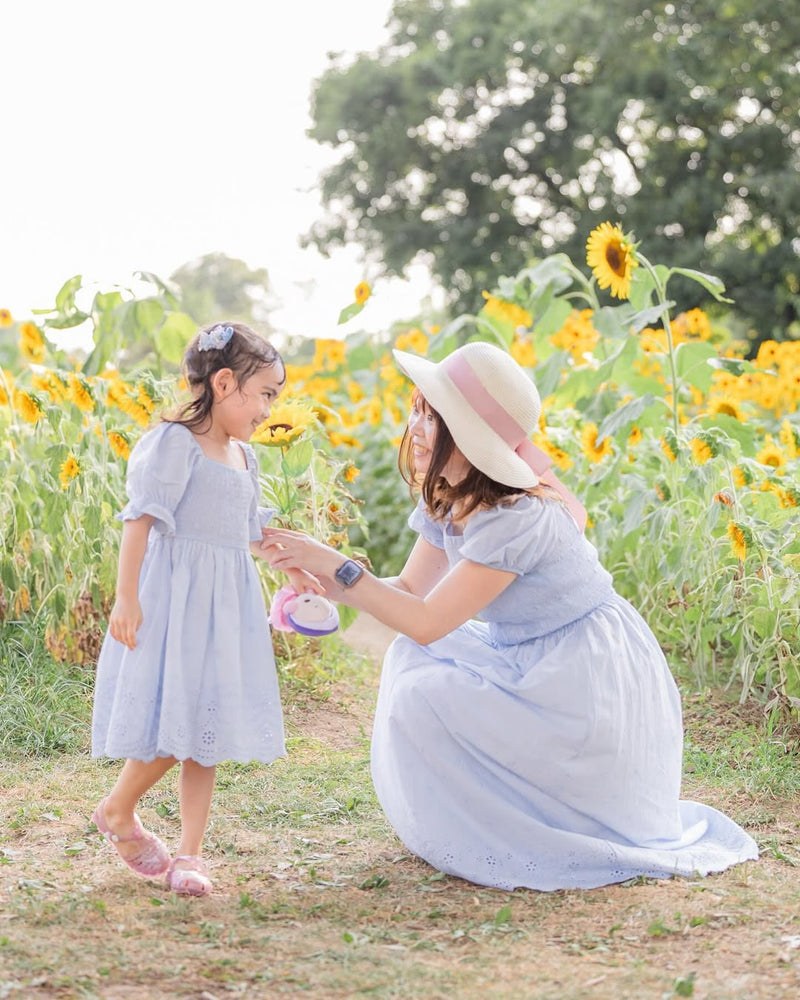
[223, 382]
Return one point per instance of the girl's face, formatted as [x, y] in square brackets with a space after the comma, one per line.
[422, 426]
[244, 407]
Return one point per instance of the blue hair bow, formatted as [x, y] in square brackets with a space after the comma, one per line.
[215, 338]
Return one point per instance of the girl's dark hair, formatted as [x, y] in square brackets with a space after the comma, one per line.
[245, 353]
[475, 491]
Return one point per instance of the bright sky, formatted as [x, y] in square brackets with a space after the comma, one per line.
[139, 136]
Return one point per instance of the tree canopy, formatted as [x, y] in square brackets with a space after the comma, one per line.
[216, 286]
[486, 133]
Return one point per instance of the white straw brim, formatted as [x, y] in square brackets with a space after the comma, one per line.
[480, 445]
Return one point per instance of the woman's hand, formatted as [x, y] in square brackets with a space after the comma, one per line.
[126, 617]
[293, 550]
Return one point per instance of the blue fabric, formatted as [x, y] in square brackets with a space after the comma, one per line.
[541, 746]
[201, 683]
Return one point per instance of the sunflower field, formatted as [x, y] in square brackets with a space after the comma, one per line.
[684, 451]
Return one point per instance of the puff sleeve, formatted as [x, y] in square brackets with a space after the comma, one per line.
[432, 531]
[521, 536]
[158, 471]
[259, 516]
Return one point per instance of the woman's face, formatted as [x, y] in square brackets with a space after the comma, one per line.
[422, 426]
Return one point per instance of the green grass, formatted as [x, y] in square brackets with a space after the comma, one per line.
[45, 707]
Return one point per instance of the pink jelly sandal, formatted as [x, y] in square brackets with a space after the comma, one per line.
[151, 859]
[192, 880]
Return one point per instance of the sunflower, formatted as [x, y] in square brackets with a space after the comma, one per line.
[592, 450]
[612, 257]
[362, 293]
[523, 352]
[28, 407]
[328, 353]
[667, 446]
[701, 450]
[771, 454]
[286, 423]
[119, 445]
[79, 394]
[6, 319]
[728, 407]
[69, 470]
[31, 342]
[413, 340]
[662, 490]
[738, 537]
[351, 472]
[507, 312]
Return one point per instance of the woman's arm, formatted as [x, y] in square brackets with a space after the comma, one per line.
[425, 567]
[446, 599]
[126, 615]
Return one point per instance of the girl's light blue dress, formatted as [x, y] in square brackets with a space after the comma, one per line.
[201, 682]
[541, 746]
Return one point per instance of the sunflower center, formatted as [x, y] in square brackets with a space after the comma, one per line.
[615, 258]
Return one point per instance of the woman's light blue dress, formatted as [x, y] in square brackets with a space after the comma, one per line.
[201, 682]
[541, 746]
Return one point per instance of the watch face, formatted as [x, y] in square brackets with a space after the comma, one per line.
[348, 573]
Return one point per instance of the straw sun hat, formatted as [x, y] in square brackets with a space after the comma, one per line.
[490, 406]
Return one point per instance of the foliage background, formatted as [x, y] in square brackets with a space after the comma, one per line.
[485, 133]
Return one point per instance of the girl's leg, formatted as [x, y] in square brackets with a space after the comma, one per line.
[187, 874]
[134, 780]
[196, 788]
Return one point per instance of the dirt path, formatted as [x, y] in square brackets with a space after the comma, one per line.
[315, 897]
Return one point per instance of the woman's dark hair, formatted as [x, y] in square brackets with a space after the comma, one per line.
[245, 353]
[476, 490]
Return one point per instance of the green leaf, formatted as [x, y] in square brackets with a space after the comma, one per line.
[734, 366]
[646, 317]
[503, 916]
[764, 619]
[626, 415]
[65, 297]
[173, 336]
[634, 511]
[297, 459]
[691, 364]
[745, 434]
[360, 358]
[349, 312]
[709, 281]
[140, 318]
[553, 318]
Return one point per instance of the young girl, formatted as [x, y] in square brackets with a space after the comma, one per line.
[542, 745]
[187, 672]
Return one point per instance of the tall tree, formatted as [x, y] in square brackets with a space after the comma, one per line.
[488, 132]
[216, 286]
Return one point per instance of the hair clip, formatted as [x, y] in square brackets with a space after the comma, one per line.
[215, 338]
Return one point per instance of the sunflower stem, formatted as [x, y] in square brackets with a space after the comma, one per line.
[661, 295]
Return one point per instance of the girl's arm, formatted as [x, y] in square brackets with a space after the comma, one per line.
[126, 615]
[454, 597]
[298, 578]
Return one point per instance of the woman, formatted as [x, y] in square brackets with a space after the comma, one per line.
[541, 745]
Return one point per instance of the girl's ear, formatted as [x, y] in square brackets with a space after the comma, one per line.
[223, 382]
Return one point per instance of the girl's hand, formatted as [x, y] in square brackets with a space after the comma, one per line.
[304, 582]
[126, 617]
[289, 550]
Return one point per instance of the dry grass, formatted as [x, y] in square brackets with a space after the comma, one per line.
[314, 896]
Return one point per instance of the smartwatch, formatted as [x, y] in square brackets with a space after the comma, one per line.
[349, 572]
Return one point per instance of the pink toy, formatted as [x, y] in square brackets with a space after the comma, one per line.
[308, 614]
